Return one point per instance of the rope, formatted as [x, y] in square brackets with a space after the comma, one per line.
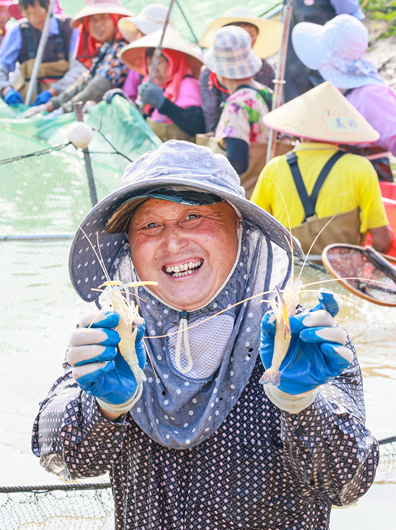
[112, 146]
[63, 487]
[36, 153]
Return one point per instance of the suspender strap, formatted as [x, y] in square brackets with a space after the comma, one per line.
[263, 93]
[309, 201]
[31, 50]
[59, 43]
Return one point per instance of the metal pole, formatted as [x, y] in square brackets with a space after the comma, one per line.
[78, 109]
[280, 74]
[157, 53]
[39, 55]
[272, 12]
[188, 24]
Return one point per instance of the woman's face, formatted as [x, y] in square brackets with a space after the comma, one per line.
[101, 27]
[161, 72]
[250, 28]
[188, 250]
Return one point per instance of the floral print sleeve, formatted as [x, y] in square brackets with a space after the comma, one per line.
[110, 67]
[242, 117]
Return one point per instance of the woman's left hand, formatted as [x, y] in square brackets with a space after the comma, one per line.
[151, 94]
[316, 354]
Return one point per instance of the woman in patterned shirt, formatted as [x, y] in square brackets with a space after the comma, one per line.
[204, 447]
[98, 47]
[241, 125]
[265, 42]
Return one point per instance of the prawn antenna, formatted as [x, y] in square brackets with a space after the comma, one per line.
[313, 242]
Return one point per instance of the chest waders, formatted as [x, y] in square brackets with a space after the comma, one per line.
[344, 228]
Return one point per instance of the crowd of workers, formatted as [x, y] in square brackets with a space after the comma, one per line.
[222, 96]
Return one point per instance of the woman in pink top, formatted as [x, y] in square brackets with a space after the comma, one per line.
[151, 18]
[337, 50]
[173, 97]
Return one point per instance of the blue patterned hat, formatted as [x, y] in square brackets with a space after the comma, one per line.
[231, 55]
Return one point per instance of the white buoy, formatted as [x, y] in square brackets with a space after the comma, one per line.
[80, 134]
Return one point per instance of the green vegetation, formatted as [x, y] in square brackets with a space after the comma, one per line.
[382, 10]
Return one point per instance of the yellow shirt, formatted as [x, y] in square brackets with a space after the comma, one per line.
[352, 183]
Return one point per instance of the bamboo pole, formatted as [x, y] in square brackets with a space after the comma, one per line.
[157, 53]
[280, 74]
[40, 53]
[78, 109]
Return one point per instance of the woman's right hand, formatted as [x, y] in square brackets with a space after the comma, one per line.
[98, 366]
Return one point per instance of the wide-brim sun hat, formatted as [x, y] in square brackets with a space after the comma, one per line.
[151, 18]
[231, 55]
[269, 38]
[322, 114]
[175, 165]
[133, 54]
[98, 7]
[336, 50]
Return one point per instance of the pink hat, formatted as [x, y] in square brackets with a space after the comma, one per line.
[6, 3]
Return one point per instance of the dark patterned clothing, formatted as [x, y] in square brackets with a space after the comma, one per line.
[262, 469]
[110, 66]
[213, 98]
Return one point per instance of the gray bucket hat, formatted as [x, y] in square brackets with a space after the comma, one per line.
[177, 166]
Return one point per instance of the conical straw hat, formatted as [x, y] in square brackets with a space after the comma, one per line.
[98, 7]
[322, 114]
[270, 32]
[132, 55]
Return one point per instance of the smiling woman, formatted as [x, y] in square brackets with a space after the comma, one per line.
[218, 260]
[168, 238]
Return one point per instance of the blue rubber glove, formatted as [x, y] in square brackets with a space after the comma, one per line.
[13, 97]
[152, 95]
[316, 353]
[98, 366]
[42, 98]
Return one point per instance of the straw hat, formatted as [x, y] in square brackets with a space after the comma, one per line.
[150, 19]
[269, 37]
[97, 7]
[132, 55]
[322, 114]
[337, 50]
[231, 55]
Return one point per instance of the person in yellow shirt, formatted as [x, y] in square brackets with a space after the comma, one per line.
[317, 183]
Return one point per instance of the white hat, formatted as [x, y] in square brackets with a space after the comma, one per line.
[132, 55]
[269, 37]
[336, 50]
[98, 7]
[151, 18]
[231, 55]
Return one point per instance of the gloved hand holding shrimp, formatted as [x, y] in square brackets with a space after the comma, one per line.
[98, 365]
[302, 352]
